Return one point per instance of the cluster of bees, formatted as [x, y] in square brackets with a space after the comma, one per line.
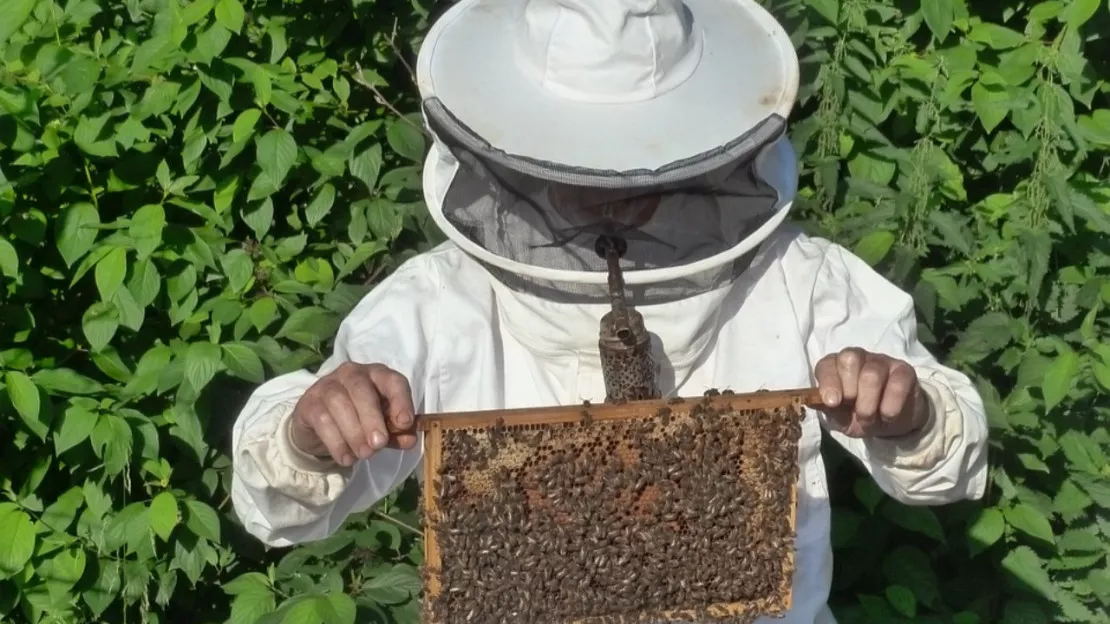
[686, 516]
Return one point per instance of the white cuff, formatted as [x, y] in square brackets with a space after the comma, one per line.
[927, 447]
[298, 459]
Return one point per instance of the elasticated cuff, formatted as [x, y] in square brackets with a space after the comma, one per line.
[925, 447]
[297, 458]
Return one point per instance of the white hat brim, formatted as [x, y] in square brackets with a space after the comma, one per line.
[747, 75]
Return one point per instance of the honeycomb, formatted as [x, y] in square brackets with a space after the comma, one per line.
[679, 511]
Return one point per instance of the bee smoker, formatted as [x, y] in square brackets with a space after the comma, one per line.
[625, 345]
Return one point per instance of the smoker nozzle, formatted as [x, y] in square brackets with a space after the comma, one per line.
[612, 249]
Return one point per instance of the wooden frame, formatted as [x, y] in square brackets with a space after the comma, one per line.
[434, 426]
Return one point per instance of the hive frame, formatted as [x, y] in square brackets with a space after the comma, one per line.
[435, 425]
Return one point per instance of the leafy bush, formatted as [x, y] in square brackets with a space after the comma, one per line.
[193, 193]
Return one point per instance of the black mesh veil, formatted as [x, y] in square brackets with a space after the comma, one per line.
[548, 216]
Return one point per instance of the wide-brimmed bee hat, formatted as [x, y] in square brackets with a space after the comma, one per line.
[634, 96]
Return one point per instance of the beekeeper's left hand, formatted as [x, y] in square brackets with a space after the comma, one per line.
[870, 395]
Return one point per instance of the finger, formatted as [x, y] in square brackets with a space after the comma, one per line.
[396, 395]
[849, 364]
[872, 380]
[323, 425]
[901, 384]
[828, 382]
[368, 407]
[403, 441]
[345, 416]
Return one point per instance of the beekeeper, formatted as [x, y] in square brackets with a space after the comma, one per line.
[660, 122]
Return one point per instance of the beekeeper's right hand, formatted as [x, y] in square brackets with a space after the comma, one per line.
[343, 415]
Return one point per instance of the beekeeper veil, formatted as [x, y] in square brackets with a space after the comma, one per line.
[657, 123]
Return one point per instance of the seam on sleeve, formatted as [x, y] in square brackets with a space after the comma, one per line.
[434, 372]
[808, 332]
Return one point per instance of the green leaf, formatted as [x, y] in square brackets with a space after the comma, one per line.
[110, 272]
[16, 13]
[146, 229]
[99, 324]
[922, 520]
[19, 540]
[1024, 564]
[1097, 488]
[868, 493]
[244, 124]
[131, 314]
[1059, 379]
[406, 139]
[1037, 249]
[77, 422]
[1029, 520]
[202, 520]
[65, 380]
[1070, 501]
[952, 229]
[62, 512]
[9, 259]
[1078, 12]
[1081, 540]
[875, 246]
[145, 282]
[938, 16]
[321, 204]
[89, 137]
[337, 608]
[902, 599]
[995, 36]
[985, 529]
[239, 268]
[1032, 462]
[230, 14]
[393, 585]
[1083, 453]
[276, 153]
[253, 598]
[366, 165]
[112, 440]
[77, 232]
[24, 395]
[163, 515]
[991, 104]
[263, 312]
[158, 99]
[984, 336]
[243, 362]
[202, 362]
[829, 9]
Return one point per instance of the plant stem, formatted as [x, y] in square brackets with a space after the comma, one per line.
[403, 525]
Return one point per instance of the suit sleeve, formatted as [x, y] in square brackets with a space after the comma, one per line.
[285, 497]
[854, 306]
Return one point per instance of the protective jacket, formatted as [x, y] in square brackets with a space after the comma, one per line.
[473, 324]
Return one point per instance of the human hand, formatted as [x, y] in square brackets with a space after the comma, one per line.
[870, 395]
[343, 415]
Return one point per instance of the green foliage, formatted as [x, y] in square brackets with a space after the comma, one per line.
[961, 147]
[193, 193]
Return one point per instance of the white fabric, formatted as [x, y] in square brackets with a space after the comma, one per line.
[619, 85]
[466, 342]
[607, 52]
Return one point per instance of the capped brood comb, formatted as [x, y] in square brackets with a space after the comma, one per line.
[676, 510]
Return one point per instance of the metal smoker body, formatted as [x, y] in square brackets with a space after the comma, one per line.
[625, 344]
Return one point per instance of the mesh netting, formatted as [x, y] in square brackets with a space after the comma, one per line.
[555, 225]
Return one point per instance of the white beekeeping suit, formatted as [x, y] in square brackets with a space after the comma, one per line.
[662, 122]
